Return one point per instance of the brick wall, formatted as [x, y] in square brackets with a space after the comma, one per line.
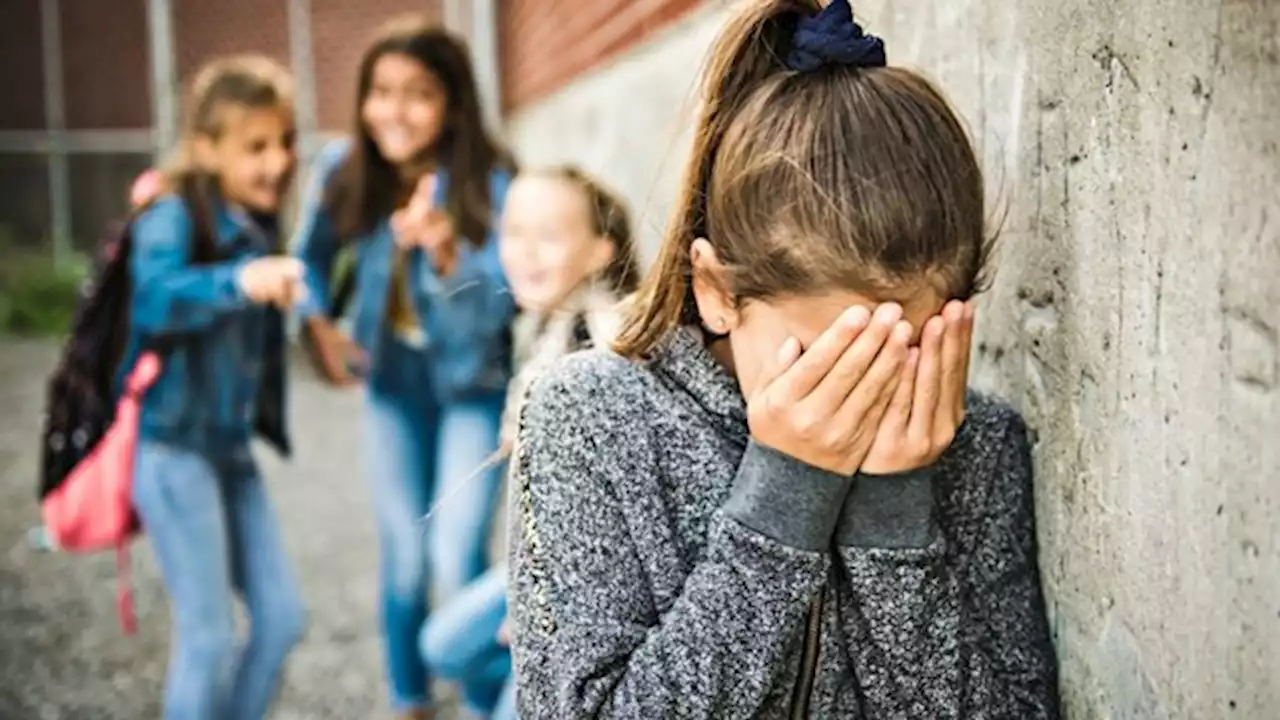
[204, 30]
[21, 79]
[105, 64]
[544, 44]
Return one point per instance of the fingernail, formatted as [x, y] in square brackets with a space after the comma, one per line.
[787, 351]
[935, 326]
[889, 313]
[857, 317]
[902, 332]
[954, 311]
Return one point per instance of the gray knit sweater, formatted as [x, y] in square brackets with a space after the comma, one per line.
[665, 566]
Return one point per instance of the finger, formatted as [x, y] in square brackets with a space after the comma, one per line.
[292, 294]
[278, 288]
[878, 382]
[843, 377]
[433, 238]
[290, 268]
[952, 362]
[878, 413]
[357, 359]
[423, 198]
[339, 373]
[898, 413]
[786, 356]
[924, 406]
[426, 188]
[402, 232]
[333, 359]
[818, 359]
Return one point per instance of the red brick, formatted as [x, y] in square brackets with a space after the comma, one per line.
[544, 44]
[205, 30]
[106, 68]
[21, 66]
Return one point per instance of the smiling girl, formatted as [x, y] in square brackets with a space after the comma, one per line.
[208, 283]
[417, 191]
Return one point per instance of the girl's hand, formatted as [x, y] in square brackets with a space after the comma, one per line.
[332, 352]
[823, 406]
[419, 224]
[408, 223]
[504, 632]
[274, 280]
[929, 402]
[439, 241]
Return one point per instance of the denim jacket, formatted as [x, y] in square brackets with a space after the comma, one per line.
[224, 359]
[465, 316]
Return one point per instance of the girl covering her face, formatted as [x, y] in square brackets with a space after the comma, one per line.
[776, 498]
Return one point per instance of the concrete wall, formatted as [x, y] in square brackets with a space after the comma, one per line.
[1137, 148]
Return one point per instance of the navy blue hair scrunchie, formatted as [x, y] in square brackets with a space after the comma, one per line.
[833, 38]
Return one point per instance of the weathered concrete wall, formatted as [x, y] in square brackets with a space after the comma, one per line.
[1136, 145]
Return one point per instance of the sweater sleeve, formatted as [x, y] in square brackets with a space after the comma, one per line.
[938, 630]
[589, 640]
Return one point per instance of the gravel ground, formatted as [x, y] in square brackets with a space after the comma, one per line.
[62, 655]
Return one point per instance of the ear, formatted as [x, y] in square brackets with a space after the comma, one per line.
[204, 152]
[602, 253]
[716, 307]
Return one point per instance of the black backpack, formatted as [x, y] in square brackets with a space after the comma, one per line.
[80, 400]
[81, 397]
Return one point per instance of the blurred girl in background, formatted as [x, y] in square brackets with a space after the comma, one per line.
[208, 285]
[567, 248]
[417, 191]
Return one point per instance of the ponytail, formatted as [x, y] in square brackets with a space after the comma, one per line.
[748, 51]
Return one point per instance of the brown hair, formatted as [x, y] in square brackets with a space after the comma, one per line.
[367, 188]
[249, 81]
[848, 178]
[609, 218]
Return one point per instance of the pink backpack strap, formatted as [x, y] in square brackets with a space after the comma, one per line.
[124, 591]
[143, 374]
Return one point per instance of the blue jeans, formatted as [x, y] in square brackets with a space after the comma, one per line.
[461, 644]
[214, 533]
[421, 456]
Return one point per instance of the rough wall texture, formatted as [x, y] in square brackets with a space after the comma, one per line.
[1134, 317]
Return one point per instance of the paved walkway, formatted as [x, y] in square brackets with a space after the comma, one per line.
[62, 656]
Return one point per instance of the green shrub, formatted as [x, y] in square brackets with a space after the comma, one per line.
[37, 298]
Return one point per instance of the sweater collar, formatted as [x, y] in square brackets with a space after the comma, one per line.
[687, 362]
